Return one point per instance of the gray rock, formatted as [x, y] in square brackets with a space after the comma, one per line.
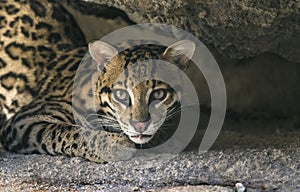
[259, 166]
[266, 85]
[236, 28]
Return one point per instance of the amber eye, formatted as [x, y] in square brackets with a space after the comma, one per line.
[121, 96]
[159, 94]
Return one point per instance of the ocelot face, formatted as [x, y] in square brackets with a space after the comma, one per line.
[142, 110]
[129, 89]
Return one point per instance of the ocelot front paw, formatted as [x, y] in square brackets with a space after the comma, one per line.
[118, 148]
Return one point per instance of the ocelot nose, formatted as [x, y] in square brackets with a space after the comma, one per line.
[141, 126]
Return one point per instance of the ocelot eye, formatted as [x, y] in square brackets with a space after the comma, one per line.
[159, 94]
[122, 96]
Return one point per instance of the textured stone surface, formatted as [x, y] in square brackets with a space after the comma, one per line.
[266, 85]
[257, 170]
[262, 152]
[269, 162]
[236, 28]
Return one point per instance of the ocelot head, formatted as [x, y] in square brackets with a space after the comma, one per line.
[139, 88]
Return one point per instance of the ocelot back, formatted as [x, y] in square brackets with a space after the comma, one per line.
[33, 33]
[38, 66]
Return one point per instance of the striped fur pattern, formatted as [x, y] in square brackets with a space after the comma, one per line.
[136, 101]
[37, 72]
[37, 66]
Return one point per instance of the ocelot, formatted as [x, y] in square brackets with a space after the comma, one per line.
[38, 65]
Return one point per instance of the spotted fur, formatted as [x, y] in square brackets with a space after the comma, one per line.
[28, 42]
[41, 102]
[136, 100]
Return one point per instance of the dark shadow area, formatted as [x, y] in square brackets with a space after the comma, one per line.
[99, 10]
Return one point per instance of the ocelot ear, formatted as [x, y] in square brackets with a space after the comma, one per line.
[180, 53]
[101, 53]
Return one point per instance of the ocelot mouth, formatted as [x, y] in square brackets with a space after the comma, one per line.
[141, 138]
